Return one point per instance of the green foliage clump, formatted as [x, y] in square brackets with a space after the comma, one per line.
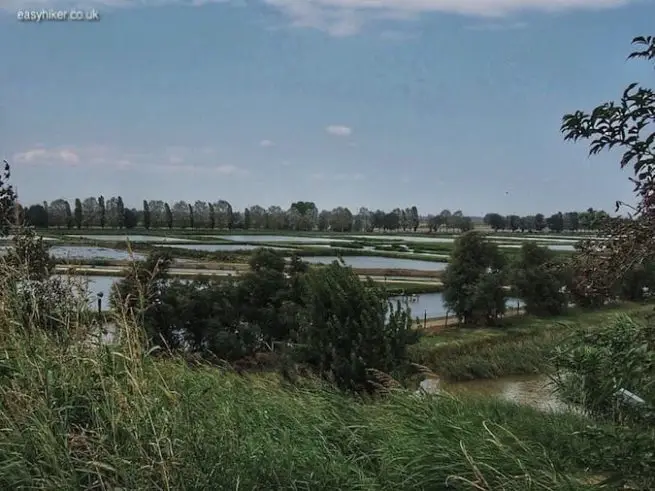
[538, 281]
[595, 367]
[142, 284]
[474, 280]
[637, 282]
[348, 328]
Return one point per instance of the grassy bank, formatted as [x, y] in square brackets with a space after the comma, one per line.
[522, 346]
[87, 417]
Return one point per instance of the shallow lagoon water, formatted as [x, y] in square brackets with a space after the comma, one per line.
[222, 247]
[432, 305]
[84, 252]
[531, 390]
[375, 262]
[278, 238]
[131, 238]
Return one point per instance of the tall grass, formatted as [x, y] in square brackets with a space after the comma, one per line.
[523, 346]
[79, 414]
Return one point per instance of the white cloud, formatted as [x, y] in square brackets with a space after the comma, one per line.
[497, 26]
[339, 130]
[170, 159]
[266, 143]
[345, 17]
[66, 156]
[224, 170]
[322, 176]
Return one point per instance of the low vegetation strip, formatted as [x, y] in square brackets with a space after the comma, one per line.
[523, 346]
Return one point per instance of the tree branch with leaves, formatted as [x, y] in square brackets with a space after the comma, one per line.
[627, 125]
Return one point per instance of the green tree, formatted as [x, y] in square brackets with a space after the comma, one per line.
[102, 211]
[556, 222]
[37, 216]
[597, 364]
[120, 213]
[212, 215]
[495, 221]
[537, 280]
[69, 215]
[142, 285]
[474, 280]
[539, 222]
[627, 125]
[514, 222]
[202, 316]
[636, 281]
[246, 219]
[572, 221]
[130, 218]
[348, 327]
[7, 199]
[465, 224]
[192, 221]
[146, 215]
[168, 216]
[414, 218]
[78, 213]
[90, 212]
[262, 292]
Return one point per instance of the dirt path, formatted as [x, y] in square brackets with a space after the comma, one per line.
[440, 323]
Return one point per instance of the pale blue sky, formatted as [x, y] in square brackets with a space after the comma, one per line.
[438, 103]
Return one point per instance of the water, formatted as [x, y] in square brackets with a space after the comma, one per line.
[561, 240]
[278, 238]
[131, 238]
[222, 247]
[552, 247]
[432, 305]
[532, 390]
[95, 285]
[8, 238]
[82, 252]
[404, 238]
[561, 247]
[374, 262]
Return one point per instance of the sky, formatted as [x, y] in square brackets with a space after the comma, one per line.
[379, 103]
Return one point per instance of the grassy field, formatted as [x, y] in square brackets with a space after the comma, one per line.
[85, 417]
[522, 346]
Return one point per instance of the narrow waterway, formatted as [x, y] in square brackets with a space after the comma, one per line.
[531, 390]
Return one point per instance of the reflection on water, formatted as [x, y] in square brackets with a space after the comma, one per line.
[532, 390]
[221, 247]
[378, 262]
[83, 252]
[277, 238]
[95, 285]
[131, 238]
[432, 305]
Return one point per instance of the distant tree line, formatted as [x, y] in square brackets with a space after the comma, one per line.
[156, 214]
[112, 213]
[572, 221]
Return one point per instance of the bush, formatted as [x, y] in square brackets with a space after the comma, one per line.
[474, 280]
[594, 364]
[348, 327]
[536, 280]
[635, 280]
[142, 285]
[203, 317]
[592, 368]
